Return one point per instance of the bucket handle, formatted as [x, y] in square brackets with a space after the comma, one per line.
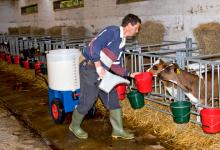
[211, 125]
[180, 115]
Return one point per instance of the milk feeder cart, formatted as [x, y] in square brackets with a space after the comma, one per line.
[63, 81]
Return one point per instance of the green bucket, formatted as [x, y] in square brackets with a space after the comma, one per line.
[136, 99]
[12, 60]
[43, 68]
[31, 63]
[181, 111]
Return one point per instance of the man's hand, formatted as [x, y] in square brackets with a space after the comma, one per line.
[99, 69]
[132, 75]
[101, 72]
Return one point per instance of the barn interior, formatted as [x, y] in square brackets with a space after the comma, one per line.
[183, 32]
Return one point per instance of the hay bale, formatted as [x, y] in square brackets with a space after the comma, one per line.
[76, 32]
[24, 30]
[13, 31]
[37, 31]
[208, 37]
[55, 31]
[151, 33]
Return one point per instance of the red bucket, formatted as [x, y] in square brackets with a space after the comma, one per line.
[121, 90]
[144, 82]
[210, 118]
[8, 59]
[26, 64]
[37, 65]
[16, 59]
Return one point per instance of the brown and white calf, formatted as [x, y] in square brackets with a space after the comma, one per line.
[155, 69]
[189, 82]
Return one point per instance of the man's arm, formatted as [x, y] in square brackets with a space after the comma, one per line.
[99, 69]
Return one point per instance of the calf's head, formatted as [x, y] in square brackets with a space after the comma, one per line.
[156, 68]
[169, 73]
[175, 75]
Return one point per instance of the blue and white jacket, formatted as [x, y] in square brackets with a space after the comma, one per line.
[107, 47]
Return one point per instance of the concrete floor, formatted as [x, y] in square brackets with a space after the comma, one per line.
[16, 136]
[30, 104]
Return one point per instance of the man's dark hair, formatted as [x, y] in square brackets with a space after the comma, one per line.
[130, 18]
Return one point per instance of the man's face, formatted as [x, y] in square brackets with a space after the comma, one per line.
[133, 29]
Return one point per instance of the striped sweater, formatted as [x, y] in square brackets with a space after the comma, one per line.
[107, 47]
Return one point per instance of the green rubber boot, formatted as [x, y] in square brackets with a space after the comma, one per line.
[117, 125]
[75, 125]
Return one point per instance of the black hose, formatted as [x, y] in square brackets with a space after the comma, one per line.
[40, 76]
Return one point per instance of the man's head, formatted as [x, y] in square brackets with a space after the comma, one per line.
[131, 24]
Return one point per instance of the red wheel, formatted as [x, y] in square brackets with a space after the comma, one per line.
[57, 111]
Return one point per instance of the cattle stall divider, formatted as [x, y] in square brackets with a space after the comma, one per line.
[140, 58]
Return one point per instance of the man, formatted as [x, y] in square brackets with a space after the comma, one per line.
[104, 53]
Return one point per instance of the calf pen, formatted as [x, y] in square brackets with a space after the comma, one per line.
[206, 67]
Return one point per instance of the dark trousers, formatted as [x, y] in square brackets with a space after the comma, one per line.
[89, 90]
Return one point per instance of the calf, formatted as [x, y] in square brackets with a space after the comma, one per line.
[190, 82]
[156, 68]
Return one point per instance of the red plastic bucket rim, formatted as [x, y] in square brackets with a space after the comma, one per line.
[121, 90]
[143, 74]
[121, 85]
[144, 82]
[210, 112]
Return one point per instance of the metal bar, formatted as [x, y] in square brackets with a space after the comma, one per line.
[160, 110]
[206, 56]
[159, 45]
[218, 68]
[199, 94]
[158, 102]
[213, 77]
[206, 87]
